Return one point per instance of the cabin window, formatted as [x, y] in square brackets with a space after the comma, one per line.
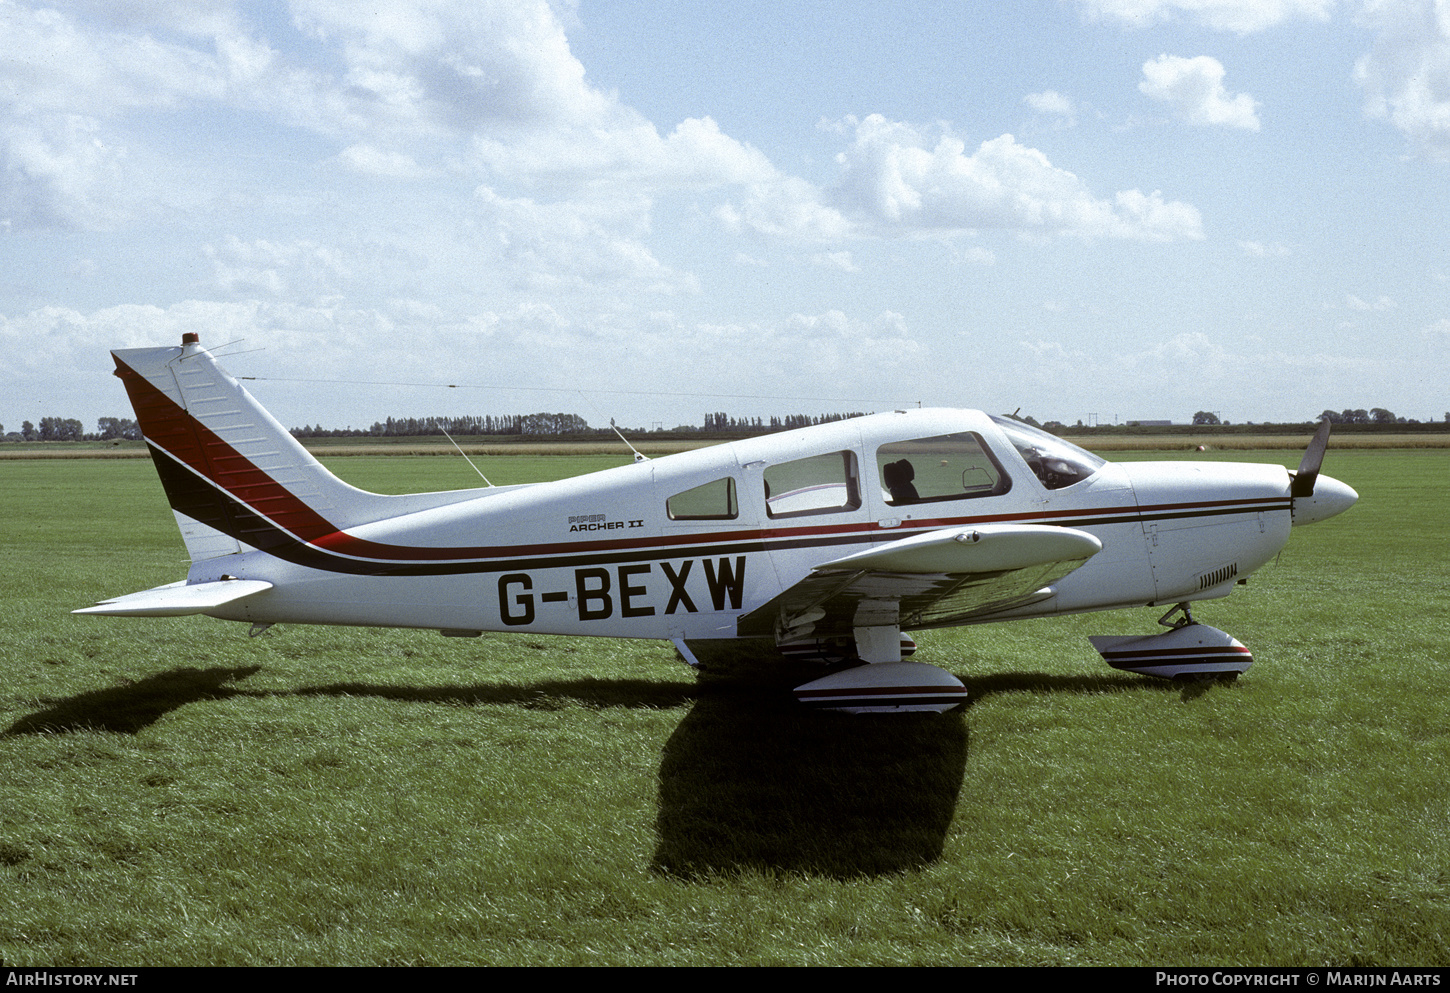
[1056, 463]
[821, 484]
[946, 467]
[712, 501]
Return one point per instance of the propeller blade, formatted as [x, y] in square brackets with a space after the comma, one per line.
[1308, 473]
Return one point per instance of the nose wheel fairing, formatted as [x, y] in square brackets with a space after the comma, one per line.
[1189, 650]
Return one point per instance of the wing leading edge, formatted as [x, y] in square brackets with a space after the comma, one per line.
[927, 580]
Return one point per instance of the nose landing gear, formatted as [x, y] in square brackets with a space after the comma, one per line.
[1188, 651]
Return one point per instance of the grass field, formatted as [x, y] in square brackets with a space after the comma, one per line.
[174, 792]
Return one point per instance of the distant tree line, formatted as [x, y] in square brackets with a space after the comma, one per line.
[722, 422]
[413, 427]
[1376, 416]
[70, 429]
[558, 424]
[541, 424]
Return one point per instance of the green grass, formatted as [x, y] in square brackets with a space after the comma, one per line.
[174, 792]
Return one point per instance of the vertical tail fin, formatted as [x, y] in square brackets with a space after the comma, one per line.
[235, 477]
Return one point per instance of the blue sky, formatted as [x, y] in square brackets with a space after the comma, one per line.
[649, 210]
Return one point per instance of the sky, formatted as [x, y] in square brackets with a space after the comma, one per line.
[1095, 210]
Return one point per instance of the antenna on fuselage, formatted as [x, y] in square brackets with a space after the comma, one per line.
[638, 455]
[464, 454]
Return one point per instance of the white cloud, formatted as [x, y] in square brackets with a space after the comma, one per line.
[1406, 75]
[974, 255]
[80, 87]
[364, 158]
[836, 260]
[565, 245]
[898, 180]
[785, 206]
[54, 62]
[1054, 352]
[497, 79]
[1379, 303]
[412, 90]
[455, 65]
[1238, 16]
[62, 84]
[107, 60]
[1194, 89]
[695, 154]
[1193, 350]
[275, 269]
[849, 356]
[1049, 102]
[50, 338]
[1263, 250]
[1225, 376]
[841, 346]
[56, 170]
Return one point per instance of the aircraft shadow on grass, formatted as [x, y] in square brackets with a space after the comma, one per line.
[133, 706]
[749, 780]
[752, 781]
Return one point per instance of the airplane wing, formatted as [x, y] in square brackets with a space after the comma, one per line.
[927, 580]
[177, 599]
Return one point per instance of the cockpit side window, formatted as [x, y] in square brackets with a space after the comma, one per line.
[1055, 462]
[712, 501]
[946, 467]
[821, 484]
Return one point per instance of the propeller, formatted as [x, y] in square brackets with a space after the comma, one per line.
[1308, 472]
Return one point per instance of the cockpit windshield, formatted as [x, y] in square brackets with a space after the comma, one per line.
[1056, 463]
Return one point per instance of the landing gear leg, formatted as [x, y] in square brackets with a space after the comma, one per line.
[1182, 622]
[878, 644]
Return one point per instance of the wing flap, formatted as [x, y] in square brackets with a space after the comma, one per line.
[177, 599]
[927, 580]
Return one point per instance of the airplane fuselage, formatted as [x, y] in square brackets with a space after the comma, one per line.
[827, 542]
[604, 554]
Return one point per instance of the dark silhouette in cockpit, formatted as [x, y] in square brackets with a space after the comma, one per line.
[899, 476]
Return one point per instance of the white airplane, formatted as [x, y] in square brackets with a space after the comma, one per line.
[828, 541]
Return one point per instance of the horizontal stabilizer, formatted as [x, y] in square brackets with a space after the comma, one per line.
[177, 599]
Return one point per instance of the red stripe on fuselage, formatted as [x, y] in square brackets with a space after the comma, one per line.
[171, 428]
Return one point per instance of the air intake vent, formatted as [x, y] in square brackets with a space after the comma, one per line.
[1218, 576]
